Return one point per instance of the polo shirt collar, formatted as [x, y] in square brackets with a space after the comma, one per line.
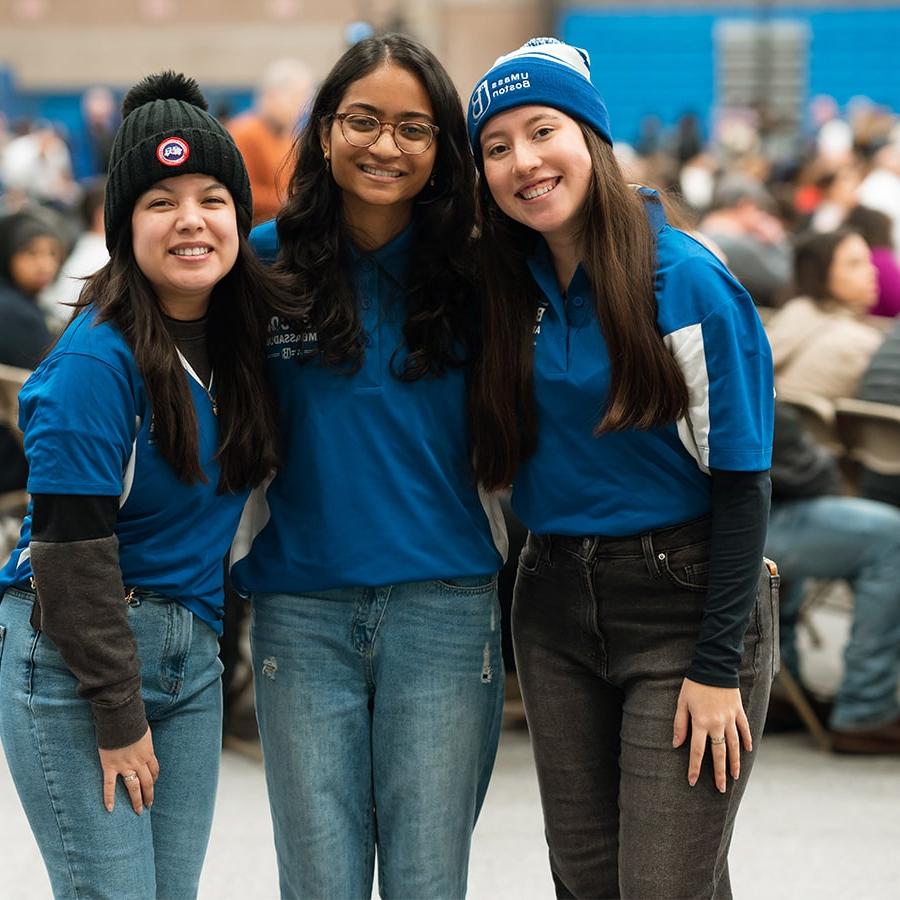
[540, 262]
[393, 258]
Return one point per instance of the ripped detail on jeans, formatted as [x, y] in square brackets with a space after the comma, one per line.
[487, 670]
[270, 667]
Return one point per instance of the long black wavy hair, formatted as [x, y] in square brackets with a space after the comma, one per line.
[441, 317]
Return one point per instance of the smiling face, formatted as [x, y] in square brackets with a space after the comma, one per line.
[380, 183]
[185, 240]
[852, 277]
[538, 169]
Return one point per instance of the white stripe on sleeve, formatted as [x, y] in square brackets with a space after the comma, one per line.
[686, 345]
[254, 518]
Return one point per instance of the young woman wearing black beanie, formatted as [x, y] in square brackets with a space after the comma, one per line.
[145, 427]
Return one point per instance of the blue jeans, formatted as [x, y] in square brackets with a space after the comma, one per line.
[379, 711]
[48, 737]
[857, 540]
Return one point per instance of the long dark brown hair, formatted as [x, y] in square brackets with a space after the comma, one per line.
[315, 248]
[647, 388]
[236, 333]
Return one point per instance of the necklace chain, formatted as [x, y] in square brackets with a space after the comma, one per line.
[208, 389]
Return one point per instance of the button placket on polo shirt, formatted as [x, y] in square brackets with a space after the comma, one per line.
[370, 375]
[551, 341]
[578, 314]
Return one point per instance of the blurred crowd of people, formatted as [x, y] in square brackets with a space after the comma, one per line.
[809, 225]
[53, 178]
[749, 194]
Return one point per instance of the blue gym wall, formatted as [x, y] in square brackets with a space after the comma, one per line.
[647, 61]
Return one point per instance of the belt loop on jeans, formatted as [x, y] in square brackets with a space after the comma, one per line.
[588, 547]
[546, 547]
[651, 558]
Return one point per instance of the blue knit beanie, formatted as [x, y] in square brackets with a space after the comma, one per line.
[544, 72]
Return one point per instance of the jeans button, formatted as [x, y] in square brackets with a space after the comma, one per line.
[661, 556]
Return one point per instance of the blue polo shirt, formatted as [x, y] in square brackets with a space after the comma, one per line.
[632, 482]
[376, 485]
[89, 431]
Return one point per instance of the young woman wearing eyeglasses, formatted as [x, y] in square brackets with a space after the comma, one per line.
[370, 559]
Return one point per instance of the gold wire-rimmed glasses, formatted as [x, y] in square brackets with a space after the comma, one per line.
[362, 130]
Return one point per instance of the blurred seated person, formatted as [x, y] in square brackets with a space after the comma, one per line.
[880, 189]
[837, 189]
[265, 135]
[37, 165]
[31, 252]
[821, 341]
[881, 384]
[92, 142]
[875, 228]
[814, 532]
[742, 222]
[30, 256]
[88, 255]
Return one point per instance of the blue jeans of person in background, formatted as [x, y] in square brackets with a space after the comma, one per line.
[48, 737]
[379, 712]
[859, 541]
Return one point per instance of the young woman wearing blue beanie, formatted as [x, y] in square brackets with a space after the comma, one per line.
[145, 427]
[370, 558]
[625, 390]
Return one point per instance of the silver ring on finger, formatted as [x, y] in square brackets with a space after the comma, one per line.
[718, 740]
[131, 776]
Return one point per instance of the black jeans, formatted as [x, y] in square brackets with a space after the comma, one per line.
[604, 631]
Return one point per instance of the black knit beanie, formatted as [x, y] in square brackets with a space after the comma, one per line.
[166, 131]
